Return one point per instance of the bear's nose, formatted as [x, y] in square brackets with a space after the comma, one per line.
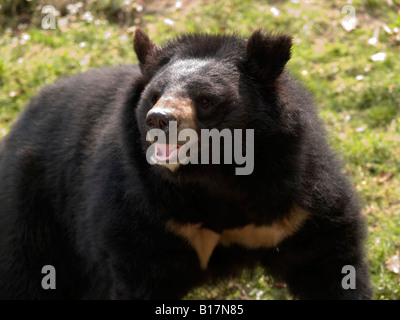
[156, 119]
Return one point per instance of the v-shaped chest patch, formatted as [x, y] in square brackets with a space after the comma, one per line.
[250, 236]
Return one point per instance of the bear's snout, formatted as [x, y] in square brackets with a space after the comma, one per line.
[171, 108]
[159, 118]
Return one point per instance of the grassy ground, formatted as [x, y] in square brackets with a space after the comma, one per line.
[359, 98]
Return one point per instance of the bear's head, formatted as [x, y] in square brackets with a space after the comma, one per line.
[199, 88]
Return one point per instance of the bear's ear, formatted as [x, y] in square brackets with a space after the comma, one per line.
[268, 54]
[143, 46]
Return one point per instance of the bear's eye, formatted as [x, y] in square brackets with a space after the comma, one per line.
[204, 103]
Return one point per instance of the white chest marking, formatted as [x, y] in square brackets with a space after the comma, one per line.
[204, 240]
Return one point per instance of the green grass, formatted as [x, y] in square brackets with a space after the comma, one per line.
[362, 114]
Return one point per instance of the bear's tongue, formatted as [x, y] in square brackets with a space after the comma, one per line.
[163, 152]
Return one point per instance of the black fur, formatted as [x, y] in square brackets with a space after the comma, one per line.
[76, 191]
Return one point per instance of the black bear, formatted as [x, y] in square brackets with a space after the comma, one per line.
[79, 191]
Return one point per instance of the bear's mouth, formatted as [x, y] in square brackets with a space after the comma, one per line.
[166, 152]
[172, 155]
